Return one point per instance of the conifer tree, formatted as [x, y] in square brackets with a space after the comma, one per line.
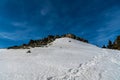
[110, 45]
[104, 46]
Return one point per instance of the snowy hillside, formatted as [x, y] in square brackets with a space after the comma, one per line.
[63, 59]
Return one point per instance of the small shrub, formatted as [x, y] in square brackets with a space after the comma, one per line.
[28, 51]
[69, 41]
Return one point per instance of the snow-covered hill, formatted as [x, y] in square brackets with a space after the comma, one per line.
[64, 59]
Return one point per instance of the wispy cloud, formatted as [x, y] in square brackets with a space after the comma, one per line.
[110, 26]
[19, 24]
[17, 35]
[111, 20]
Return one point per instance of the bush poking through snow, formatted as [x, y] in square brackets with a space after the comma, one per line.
[69, 41]
[28, 51]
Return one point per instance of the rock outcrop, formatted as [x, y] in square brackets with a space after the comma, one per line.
[43, 42]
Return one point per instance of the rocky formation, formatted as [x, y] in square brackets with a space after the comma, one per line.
[45, 41]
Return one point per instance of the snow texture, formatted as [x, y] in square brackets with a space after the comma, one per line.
[63, 59]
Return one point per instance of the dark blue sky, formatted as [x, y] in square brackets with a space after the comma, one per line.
[22, 20]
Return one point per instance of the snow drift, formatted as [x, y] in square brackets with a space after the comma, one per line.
[63, 59]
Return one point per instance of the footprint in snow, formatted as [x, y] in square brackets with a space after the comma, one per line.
[49, 78]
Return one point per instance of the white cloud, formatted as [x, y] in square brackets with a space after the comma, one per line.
[17, 35]
[19, 24]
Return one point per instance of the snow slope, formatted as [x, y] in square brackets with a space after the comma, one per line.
[64, 59]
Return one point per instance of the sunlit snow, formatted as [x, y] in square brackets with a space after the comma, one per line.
[63, 59]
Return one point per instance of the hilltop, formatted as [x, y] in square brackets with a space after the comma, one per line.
[63, 59]
[45, 41]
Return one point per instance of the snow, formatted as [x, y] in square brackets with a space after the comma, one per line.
[63, 59]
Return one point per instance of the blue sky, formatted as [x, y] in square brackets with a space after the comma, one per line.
[95, 20]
